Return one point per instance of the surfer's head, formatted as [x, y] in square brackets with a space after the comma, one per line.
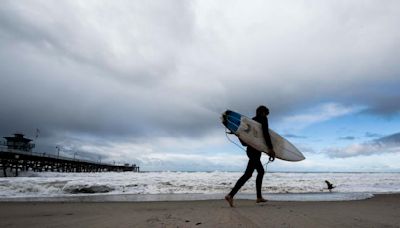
[262, 111]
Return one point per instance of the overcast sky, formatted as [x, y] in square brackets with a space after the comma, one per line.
[145, 81]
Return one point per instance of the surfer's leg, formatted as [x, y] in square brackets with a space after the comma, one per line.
[259, 179]
[242, 180]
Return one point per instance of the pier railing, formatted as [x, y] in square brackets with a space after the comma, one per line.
[48, 155]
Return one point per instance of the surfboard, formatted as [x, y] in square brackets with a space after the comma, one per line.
[250, 132]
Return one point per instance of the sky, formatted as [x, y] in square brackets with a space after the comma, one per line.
[145, 82]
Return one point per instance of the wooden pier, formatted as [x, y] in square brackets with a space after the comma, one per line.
[17, 155]
[17, 160]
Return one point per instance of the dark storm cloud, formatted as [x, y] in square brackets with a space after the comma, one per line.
[347, 138]
[393, 139]
[125, 70]
[122, 40]
[71, 71]
[62, 86]
[387, 106]
[321, 56]
[372, 135]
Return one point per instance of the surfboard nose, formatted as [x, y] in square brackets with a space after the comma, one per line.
[224, 116]
[230, 120]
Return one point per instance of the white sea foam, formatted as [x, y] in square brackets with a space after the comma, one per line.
[49, 184]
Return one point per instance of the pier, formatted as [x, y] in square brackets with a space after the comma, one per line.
[18, 156]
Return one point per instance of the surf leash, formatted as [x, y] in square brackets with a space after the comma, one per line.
[270, 159]
[266, 164]
[230, 140]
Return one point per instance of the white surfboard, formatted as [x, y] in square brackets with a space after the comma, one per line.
[250, 132]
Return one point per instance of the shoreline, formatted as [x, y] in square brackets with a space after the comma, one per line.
[294, 197]
[379, 211]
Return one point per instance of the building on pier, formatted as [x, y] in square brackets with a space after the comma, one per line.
[19, 142]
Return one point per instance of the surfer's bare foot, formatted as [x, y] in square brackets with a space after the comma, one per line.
[230, 200]
[261, 200]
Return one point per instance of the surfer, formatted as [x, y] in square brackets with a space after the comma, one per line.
[254, 159]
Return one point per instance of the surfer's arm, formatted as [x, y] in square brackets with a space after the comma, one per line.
[266, 134]
[267, 138]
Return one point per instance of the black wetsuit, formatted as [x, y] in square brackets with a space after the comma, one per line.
[254, 161]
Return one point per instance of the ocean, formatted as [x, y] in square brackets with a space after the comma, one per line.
[147, 186]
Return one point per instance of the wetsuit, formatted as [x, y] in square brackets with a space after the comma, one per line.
[254, 161]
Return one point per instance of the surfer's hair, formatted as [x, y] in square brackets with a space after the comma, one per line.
[261, 110]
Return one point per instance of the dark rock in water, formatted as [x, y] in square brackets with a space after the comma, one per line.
[88, 189]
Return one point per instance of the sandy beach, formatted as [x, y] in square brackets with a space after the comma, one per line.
[380, 211]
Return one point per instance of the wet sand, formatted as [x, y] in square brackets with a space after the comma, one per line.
[380, 211]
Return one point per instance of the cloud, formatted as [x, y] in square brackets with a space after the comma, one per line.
[385, 105]
[120, 38]
[86, 72]
[347, 138]
[383, 145]
[372, 135]
[295, 136]
[391, 140]
[321, 113]
[157, 153]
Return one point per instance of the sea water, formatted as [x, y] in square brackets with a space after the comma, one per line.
[145, 186]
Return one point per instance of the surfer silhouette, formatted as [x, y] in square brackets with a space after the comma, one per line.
[254, 159]
[330, 186]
